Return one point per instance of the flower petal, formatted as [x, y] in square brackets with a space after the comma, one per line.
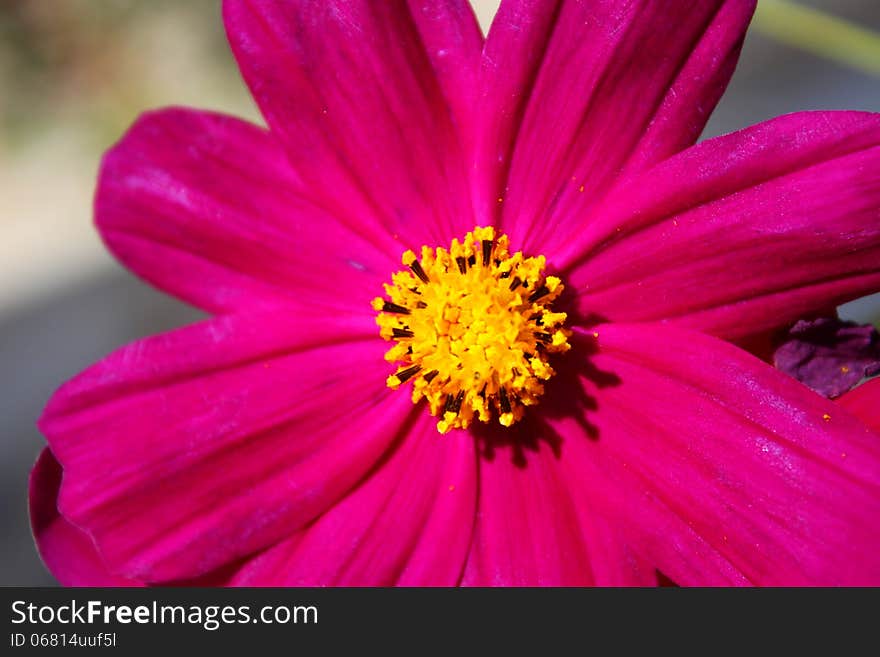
[719, 468]
[864, 403]
[453, 42]
[613, 560]
[409, 523]
[531, 531]
[207, 207]
[190, 450]
[526, 532]
[577, 92]
[742, 233]
[67, 551]
[352, 90]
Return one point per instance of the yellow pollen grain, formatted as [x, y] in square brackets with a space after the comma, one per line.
[473, 329]
[826, 417]
[844, 369]
[581, 188]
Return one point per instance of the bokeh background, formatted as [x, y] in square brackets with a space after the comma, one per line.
[75, 73]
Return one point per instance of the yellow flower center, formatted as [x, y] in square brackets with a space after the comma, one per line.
[473, 329]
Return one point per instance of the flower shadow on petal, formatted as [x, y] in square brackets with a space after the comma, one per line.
[564, 397]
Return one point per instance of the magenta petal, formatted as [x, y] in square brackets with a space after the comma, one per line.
[453, 42]
[864, 403]
[67, 551]
[531, 530]
[742, 233]
[190, 450]
[576, 92]
[409, 523]
[526, 532]
[613, 561]
[352, 90]
[208, 208]
[721, 469]
[512, 56]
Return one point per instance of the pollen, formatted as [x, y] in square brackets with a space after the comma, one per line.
[473, 328]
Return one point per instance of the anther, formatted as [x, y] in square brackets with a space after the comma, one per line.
[487, 245]
[537, 294]
[390, 307]
[503, 400]
[416, 267]
[405, 375]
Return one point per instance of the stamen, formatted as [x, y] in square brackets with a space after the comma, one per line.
[389, 307]
[487, 251]
[505, 402]
[404, 375]
[416, 266]
[483, 346]
[540, 292]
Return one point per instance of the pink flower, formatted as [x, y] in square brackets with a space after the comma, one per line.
[862, 402]
[263, 446]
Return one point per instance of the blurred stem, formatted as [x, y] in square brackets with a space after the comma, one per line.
[819, 33]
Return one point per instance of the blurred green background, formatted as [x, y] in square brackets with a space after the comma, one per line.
[75, 73]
